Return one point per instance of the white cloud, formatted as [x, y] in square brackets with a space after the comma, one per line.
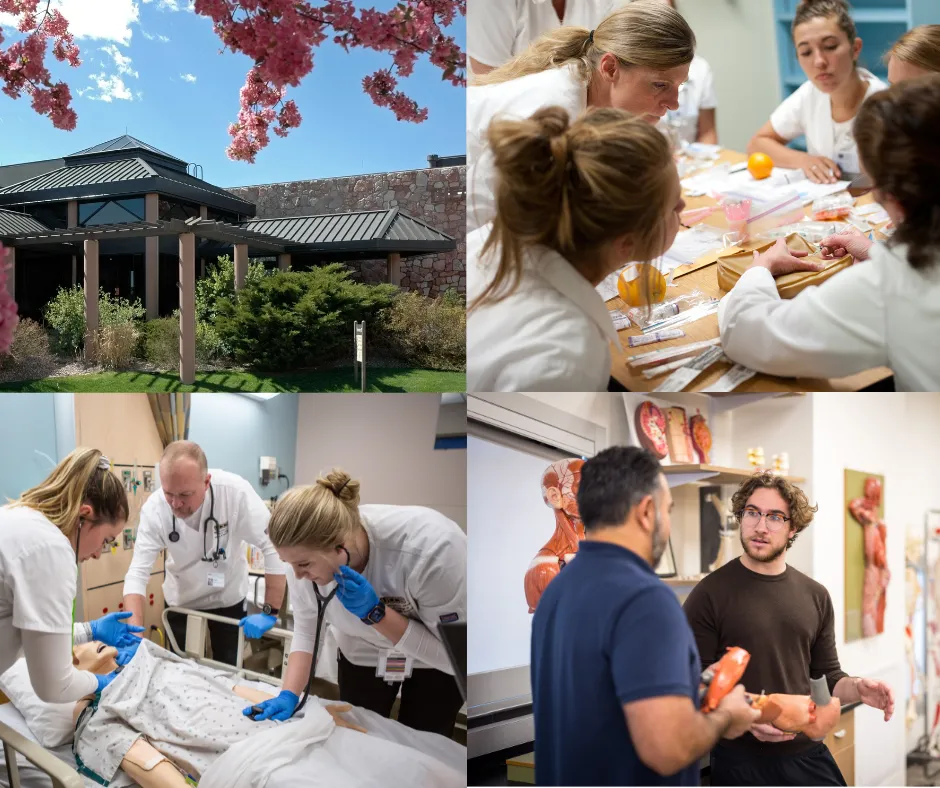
[163, 39]
[109, 20]
[188, 77]
[108, 88]
[172, 5]
[122, 61]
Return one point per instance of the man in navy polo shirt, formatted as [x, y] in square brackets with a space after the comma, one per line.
[615, 669]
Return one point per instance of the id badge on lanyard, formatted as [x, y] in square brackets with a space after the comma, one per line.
[394, 666]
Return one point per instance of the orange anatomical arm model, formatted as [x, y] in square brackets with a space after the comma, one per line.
[877, 575]
[559, 491]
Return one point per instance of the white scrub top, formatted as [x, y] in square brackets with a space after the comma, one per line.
[190, 581]
[518, 98]
[38, 579]
[696, 94]
[878, 313]
[552, 334]
[498, 30]
[417, 566]
[809, 111]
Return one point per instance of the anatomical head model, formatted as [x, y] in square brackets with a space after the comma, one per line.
[560, 484]
[865, 512]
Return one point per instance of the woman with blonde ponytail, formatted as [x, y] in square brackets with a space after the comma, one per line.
[575, 202]
[396, 572]
[634, 60]
[68, 518]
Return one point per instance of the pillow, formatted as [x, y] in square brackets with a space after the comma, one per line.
[732, 267]
[50, 723]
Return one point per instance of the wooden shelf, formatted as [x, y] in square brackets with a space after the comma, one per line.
[712, 474]
[682, 582]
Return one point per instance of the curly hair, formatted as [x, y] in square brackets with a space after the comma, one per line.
[801, 513]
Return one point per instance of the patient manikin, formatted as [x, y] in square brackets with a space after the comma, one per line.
[164, 718]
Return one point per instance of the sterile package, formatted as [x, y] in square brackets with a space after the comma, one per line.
[786, 208]
[834, 206]
[643, 317]
[813, 232]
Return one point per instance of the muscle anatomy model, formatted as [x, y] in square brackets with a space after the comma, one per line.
[865, 512]
[559, 491]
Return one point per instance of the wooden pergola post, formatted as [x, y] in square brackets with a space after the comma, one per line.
[187, 308]
[73, 222]
[91, 292]
[10, 262]
[283, 262]
[241, 265]
[394, 268]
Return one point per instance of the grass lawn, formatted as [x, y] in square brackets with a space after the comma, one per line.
[378, 379]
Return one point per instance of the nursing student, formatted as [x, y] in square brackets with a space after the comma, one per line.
[71, 516]
[396, 573]
[884, 311]
[575, 201]
[823, 108]
[916, 54]
[498, 30]
[635, 59]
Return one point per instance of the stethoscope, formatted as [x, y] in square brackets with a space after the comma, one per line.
[219, 552]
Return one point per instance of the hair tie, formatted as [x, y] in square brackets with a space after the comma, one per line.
[591, 37]
[104, 464]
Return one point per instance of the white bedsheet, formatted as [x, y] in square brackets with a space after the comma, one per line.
[30, 776]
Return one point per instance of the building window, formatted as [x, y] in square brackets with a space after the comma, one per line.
[176, 209]
[54, 215]
[222, 216]
[125, 211]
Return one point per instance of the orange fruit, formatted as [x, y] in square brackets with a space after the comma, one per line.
[760, 165]
[632, 284]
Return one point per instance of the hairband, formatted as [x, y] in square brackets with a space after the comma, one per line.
[340, 489]
[591, 37]
[104, 464]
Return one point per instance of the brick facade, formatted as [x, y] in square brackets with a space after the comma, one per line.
[436, 196]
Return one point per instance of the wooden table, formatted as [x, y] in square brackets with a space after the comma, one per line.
[706, 280]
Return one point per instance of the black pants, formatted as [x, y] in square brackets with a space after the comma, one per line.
[224, 637]
[815, 766]
[430, 699]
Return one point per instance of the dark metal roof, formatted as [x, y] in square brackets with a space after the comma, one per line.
[124, 142]
[361, 231]
[15, 223]
[446, 161]
[123, 177]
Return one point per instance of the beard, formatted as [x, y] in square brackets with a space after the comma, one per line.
[659, 540]
[770, 556]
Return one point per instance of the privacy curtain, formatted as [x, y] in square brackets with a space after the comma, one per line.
[171, 414]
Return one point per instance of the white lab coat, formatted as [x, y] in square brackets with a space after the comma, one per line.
[880, 312]
[417, 566]
[38, 581]
[516, 99]
[188, 577]
[552, 334]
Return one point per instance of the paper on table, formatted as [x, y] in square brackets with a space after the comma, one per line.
[608, 287]
[743, 184]
[690, 245]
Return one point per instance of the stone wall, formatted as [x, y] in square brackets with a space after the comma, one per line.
[436, 196]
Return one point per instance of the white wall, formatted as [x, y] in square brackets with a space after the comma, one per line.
[387, 443]
[737, 39]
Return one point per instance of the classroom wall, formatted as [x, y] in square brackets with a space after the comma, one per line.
[387, 443]
[235, 431]
[737, 39]
[29, 441]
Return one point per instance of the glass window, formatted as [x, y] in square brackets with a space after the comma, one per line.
[54, 215]
[222, 216]
[124, 211]
[176, 209]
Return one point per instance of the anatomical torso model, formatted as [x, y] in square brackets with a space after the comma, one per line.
[559, 491]
[865, 512]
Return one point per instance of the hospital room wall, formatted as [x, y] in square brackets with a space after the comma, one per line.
[235, 431]
[387, 443]
[31, 441]
[746, 76]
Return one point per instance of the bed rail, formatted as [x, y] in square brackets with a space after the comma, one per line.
[61, 774]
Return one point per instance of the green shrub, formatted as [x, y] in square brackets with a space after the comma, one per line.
[219, 282]
[160, 343]
[425, 332]
[30, 340]
[65, 315]
[296, 319]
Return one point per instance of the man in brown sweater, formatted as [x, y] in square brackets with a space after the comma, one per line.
[785, 620]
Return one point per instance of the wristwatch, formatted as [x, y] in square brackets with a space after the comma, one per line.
[375, 615]
[268, 610]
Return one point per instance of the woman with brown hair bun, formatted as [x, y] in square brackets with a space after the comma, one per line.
[634, 60]
[574, 203]
[883, 311]
[916, 54]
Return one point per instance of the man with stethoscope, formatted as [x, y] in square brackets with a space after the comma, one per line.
[202, 519]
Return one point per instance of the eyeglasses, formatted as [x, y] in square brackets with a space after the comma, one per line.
[773, 520]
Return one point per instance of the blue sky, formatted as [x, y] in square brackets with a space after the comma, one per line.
[152, 69]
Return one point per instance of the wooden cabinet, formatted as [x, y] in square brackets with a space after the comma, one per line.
[841, 743]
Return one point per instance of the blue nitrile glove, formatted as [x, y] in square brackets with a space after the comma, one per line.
[104, 681]
[126, 653]
[279, 708]
[255, 626]
[112, 630]
[355, 592]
